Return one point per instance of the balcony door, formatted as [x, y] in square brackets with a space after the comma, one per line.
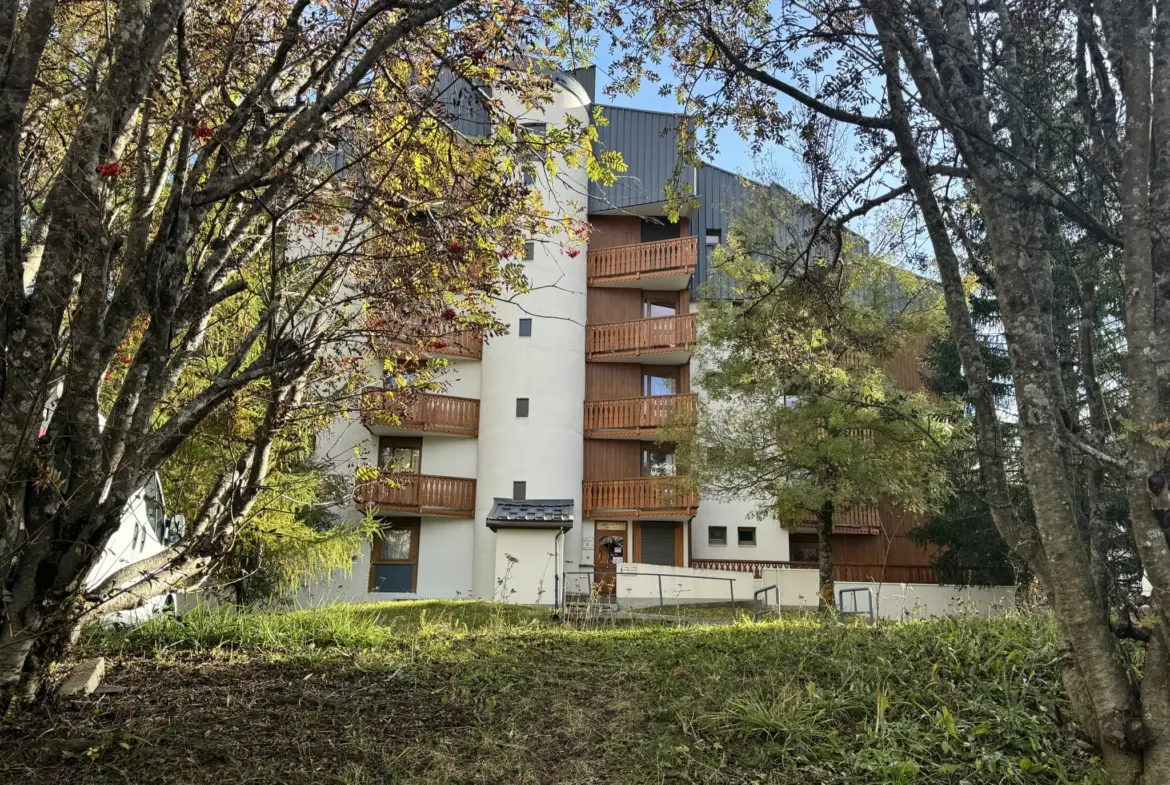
[400, 454]
[658, 461]
[660, 381]
[655, 304]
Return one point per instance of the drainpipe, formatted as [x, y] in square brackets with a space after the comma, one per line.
[558, 574]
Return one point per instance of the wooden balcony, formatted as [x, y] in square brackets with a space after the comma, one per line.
[634, 418]
[639, 497]
[665, 265]
[662, 340]
[419, 494]
[859, 520]
[439, 338]
[448, 415]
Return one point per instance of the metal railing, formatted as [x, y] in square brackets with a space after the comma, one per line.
[562, 590]
[756, 600]
[843, 611]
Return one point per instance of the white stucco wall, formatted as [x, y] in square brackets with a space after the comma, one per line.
[449, 456]
[771, 537]
[531, 578]
[461, 378]
[798, 589]
[637, 585]
[444, 568]
[545, 449]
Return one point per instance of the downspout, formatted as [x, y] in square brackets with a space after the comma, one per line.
[559, 574]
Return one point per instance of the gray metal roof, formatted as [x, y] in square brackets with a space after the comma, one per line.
[648, 142]
[530, 514]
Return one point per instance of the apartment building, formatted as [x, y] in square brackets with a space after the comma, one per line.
[538, 471]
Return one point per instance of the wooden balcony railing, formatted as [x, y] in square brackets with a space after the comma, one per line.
[440, 338]
[640, 337]
[427, 412]
[858, 520]
[421, 494]
[864, 573]
[636, 416]
[644, 260]
[639, 497]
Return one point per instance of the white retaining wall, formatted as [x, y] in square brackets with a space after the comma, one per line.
[637, 585]
[798, 589]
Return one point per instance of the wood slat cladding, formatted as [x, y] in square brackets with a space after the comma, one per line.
[613, 305]
[611, 230]
[612, 460]
[892, 546]
[610, 381]
[906, 366]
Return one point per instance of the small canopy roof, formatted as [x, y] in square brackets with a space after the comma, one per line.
[530, 514]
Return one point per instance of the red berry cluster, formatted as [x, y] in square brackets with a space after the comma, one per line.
[449, 314]
[109, 170]
[204, 132]
[573, 253]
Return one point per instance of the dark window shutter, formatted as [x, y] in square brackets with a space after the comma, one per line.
[658, 543]
[525, 328]
[521, 407]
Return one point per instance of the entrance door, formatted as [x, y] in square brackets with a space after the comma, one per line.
[609, 544]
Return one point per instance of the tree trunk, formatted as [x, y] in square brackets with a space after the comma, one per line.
[827, 593]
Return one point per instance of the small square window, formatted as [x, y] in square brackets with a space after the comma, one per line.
[521, 407]
[747, 535]
[525, 328]
[716, 535]
[519, 489]
[714, 237]
[529, 251]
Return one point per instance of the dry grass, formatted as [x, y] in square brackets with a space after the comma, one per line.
[478, 694]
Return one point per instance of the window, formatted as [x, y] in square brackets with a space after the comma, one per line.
[521, 407]
[519, 489]
[540, 129]
[658, 462]
[714, 237]
[747, 535]
[655, 229]
[400, 381]
[660, 381]
[655, 304]
[525, 328]
[657, 542]
[529, 251]
[802, 548]
[400, 454]
[394, 557]
[716, 535]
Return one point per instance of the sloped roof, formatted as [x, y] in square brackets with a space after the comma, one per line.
[530, 514]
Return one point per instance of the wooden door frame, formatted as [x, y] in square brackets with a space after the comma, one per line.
[411, 524]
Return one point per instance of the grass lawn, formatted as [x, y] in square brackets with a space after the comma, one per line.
[476, 693]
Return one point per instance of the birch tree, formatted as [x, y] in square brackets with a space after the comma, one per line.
[1033, 139]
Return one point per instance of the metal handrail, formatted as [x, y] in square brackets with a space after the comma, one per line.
[660, 575]
[842, 613]
[756, 600]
